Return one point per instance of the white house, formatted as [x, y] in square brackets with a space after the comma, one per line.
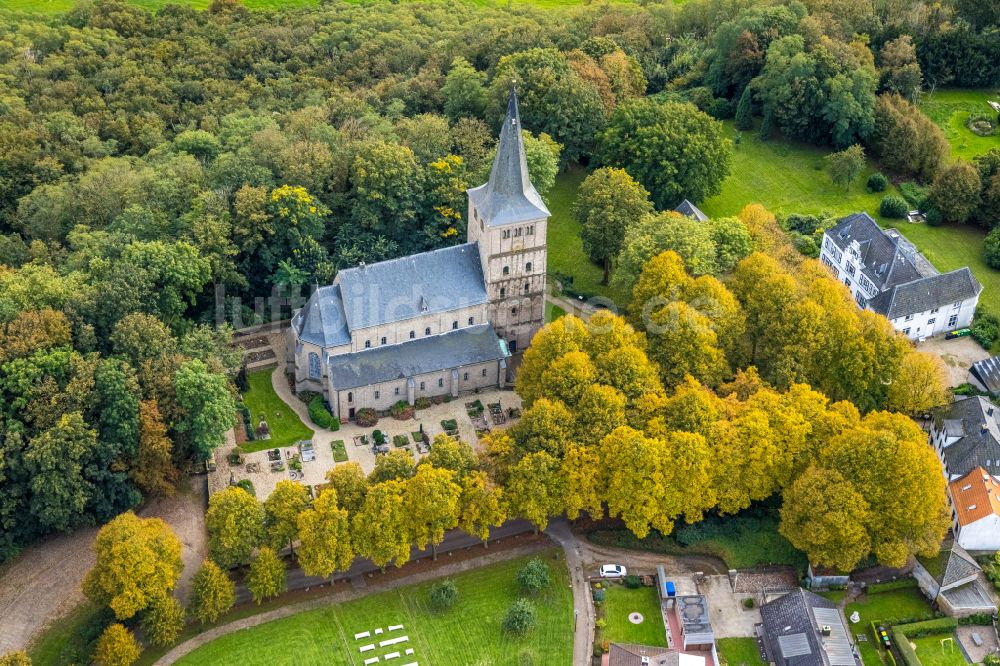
[975, 511]
[886, 274]
[966, 436]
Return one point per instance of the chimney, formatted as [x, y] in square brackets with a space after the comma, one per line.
[827, 630]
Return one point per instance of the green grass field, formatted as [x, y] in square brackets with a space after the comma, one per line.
[891, 607]
[286, 427]
[619, 602]
[932, 653]
[71, 640]
[951, 108]
[468, 633]
[739, 651]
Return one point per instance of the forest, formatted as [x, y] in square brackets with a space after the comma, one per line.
[160, 172]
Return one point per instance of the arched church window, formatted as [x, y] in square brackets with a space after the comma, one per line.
[314, 367]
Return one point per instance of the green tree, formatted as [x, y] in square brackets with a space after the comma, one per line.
[380, 527]
[432, 504]
[955, 192]
[398, 464]
[520, 617]
[481, 506]
[153, 470]
[326, 536]
[386, 184]
[535, 489]
[138, 563]
[351, 485]
[281, 513]
[18, 658]
[163, 620]
[443, 594]
[744, 110]
[212, 593]
[208, 406]
[608, 202]
[235, 524]
[452, 454]
[116, 647]
[534, 576]
[899, 69]
[845, 166]
[906, 140]
[654, 234]
[54, 460]
[464, 91]
[267, 575]
[674, 150]
[991, 248]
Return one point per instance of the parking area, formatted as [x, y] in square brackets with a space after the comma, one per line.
[730, 619]
[958, 355]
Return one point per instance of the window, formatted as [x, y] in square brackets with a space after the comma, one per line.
[383, 339]
[503, 291]
[931, 321]
[440, 383]
[934, 311]
[506, 270]
[421, 386]
[350, 396]
[909, 317]
[413, 334]
[368, 344]
[376, 395]
[517, 232]
[484, 372]
[506, 233]
[531, 230]
[454, 325]
[396, 391]
[314, 368]
[952, 321]
[513, 311]
[906, 331]
[527, 267]
[472, 320]
[427, 331]
[847, 281]
[957, 306]
[465, 376]
[527, 287]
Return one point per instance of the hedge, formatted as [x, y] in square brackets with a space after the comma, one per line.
[901, 584]
[941, 625]
[320, 415]
[980, 619]
[906, 650]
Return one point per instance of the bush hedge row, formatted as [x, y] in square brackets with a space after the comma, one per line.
[320, 415]
[901, 584]
[939, 625]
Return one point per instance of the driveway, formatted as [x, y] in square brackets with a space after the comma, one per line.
[43, 584]
[958, 355]
[729, 618]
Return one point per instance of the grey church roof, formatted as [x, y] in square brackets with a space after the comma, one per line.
[888, 259]
[462, 347]
[923, 294]
[688, 209]
[322, 321]
[407, 287]
[791, 629]
[974, 421]
[509, 197]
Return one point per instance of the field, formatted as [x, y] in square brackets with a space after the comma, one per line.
[53, 6]
[950, 109]
[468, 633]
[619, 602]
[740, 651]
[933, 653]
[892, 607]
[286, 427]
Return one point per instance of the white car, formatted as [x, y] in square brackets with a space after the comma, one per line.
[612, 571]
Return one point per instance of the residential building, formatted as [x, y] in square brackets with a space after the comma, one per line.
[695, 625]
[805, 629]
[966, 435]
[975, 511]
[954, 582]
[436, 323]
[887, 275]
[629, 654]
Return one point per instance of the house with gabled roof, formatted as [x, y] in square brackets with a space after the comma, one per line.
[804, 629]
[955, 582]
[975, 511]
[438, 323]
[631, 654]
[886, 274]
[966, 435]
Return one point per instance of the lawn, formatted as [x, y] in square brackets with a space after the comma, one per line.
[339, 451]
[468, 633]
[739, 651]
[932, 653]
[285, 425]
[891, 607]
[619, 603]
[71, 640]
[833, 595]
[553, 312]
[951, 108]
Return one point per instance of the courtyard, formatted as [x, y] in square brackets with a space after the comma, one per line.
[470, 632]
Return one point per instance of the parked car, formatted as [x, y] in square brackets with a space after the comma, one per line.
[613, 571]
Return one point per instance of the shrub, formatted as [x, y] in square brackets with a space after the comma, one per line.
[598, 595]
[526, 658]
[901, 584]
[247, 485]
[877, 182]
[379, 437]
[449, 425]
[320, 415]
[906, 650]
[985, 328]
[940, 625]
[366, 417]
[721, 109]
[422, 403]
[805, 245]
[399, 441]
[934, 217]
[893, 207]
[991, 248]
[748, 603]
[979, 619]
[915, 194]
[520, 618]
[534, 576]
[443, 595]
[632, 582]
[402, 411]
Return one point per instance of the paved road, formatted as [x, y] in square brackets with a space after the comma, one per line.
[583, 607]
[454, 540]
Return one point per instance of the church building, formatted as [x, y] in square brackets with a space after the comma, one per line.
[442, 322]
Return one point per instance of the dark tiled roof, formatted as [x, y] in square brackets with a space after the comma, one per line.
[408, 287]
[322, 321]
[927, 293]
[509, 197]
[628, 654]
[887, 261]
[688, 209]
[960, 566]
[974, 421]
[465, 346]
[791, 629]
[987, 371]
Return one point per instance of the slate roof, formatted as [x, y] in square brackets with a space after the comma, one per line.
[322, 320]
[425, 283]
[927, 293]
[792, 631]
[465, 346]
[888, 259]
[509, 197]
[974, 421]
[987, 372]
[960, 565]
[688, 209]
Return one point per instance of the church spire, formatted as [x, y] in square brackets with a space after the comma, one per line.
[509, 197]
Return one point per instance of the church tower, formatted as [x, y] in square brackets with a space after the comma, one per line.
[508, 219]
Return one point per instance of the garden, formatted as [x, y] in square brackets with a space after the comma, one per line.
[956, 112]
[283, 426]
[739, 652]
[628, 614]
[471, 629]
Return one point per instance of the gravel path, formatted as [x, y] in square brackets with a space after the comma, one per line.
[43, 584]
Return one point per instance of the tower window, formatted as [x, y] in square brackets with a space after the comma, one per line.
[527, 267]
[527, 287]
[472, 320]
[517, 232]
[465, 376]
[513, 311]
[421, 386]
[427, 331]
[413, 334]
[383, 337]
[503, 291]
[484, 372]
[506, 270]
[396, 390]
[368, 344]
[454, 325]
[531, 230]
[350, 396]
